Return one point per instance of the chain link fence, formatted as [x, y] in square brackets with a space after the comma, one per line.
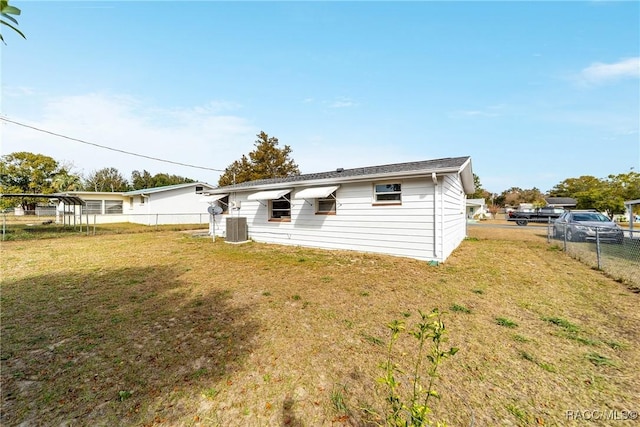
[39, 224]
[616, 251]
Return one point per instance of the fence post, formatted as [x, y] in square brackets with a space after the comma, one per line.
[598, 248]
[549, 230]
[564, 238]
[4, 225]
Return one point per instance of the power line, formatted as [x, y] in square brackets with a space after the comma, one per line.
[107, 148]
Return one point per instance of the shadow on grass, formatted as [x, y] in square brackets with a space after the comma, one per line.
[115, 347]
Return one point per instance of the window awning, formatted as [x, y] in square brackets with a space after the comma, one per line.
[213, 198]
[268, 195]
[315, 193]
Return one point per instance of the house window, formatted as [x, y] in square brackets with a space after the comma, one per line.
[280, 209]
[387, 193]
[113, 206]
[130, 202]
[93, 207]
[327, 205]
[199, 189]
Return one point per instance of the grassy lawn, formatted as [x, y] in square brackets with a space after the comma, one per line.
[163, 328]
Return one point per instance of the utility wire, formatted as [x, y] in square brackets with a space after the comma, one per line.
[107, 148]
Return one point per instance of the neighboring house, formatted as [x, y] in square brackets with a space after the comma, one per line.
[477, 209]
[171, 204]
[414, 209]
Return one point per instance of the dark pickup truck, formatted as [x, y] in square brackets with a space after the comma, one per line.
[535, 215]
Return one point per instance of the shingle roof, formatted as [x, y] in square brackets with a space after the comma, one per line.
[426, 166]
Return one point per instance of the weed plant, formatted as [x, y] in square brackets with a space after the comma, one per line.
[507, 323]
[410, 406]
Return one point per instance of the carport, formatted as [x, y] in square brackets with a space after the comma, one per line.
[629, 204]
[66, 200]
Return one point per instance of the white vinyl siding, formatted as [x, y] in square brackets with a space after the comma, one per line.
[405, 229]
[453, 214]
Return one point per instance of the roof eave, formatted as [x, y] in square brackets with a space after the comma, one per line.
[466, 176]
[346, 180]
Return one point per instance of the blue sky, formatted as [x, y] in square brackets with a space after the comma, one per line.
[534, 92]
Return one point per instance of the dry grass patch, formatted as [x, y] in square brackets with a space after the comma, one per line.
[167, 329]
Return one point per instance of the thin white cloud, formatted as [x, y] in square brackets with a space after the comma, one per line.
[342, 103]
[599, 72]
[198, 135]
[17, 91]
[489, 112]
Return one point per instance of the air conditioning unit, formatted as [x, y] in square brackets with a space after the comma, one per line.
[237, 229]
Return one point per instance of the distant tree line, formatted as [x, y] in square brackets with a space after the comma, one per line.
[605, 194]
[29, 173]
[24, 172]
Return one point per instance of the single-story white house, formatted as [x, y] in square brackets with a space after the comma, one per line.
[171, 204]
[477, 209]
[414, 209]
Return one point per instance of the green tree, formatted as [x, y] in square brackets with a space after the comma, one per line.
[607, 195]
[266, 161]
[145, 180]
[64, 180]
[140, 180]
[618, 189]
[6, 11]
[516, 195]
[106, 179]
[480, 192]
[24, 172]
[587, 190]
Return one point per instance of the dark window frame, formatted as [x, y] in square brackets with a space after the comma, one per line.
[278, 208]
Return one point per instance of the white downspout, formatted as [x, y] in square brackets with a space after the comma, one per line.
[434, 178]
[442, 220]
